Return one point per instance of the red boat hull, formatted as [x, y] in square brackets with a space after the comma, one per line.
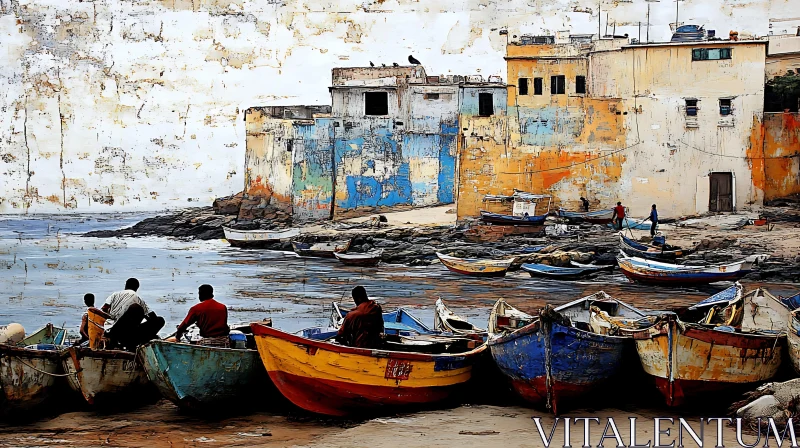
[535, 391]
[696, 280]
[687, 390]
[339, 398]
[478, 274]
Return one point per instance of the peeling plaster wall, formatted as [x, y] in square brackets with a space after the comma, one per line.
[781, 138]
[117, 105]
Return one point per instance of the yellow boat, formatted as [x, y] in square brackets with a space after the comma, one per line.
[332, 379]
[476, 267]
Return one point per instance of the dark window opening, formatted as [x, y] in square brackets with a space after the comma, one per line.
[376, 103]
[710, 54]
[725, 106]
[537, 86]
[485, 105]
[691, 108]
[522, 86]
[580, 84]
[431, 96]
[289, 145]
[557, 85]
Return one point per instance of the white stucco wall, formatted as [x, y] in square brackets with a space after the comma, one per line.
[112, 105]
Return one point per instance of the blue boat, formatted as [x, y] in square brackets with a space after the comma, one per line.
[197, 377]
[511, 220]
[651, 252]
[564, 273]
[635, 224]
[654, 272]
[564, 352]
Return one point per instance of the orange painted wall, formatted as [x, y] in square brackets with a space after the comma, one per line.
[781, 138]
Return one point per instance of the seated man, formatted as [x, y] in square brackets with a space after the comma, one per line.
[362, 326]
[88, 300]
[131, 321]
[210, 316]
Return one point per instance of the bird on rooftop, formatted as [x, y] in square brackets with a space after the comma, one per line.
[383, 65]
[395, 64]
[413, 60]
[371, 64]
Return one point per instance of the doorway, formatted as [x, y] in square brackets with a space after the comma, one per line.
[720, 192]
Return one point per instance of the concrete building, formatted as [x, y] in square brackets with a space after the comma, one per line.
[677, 124]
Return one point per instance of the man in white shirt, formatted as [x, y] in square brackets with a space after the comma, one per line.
[132, 322]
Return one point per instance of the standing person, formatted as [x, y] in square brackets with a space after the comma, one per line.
[584, 204]
[619, 215]
[132, 322]
[209, 315]
[653, 219]
[362, 326]
[88, 300]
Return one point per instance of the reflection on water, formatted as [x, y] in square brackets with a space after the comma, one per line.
[47, 268]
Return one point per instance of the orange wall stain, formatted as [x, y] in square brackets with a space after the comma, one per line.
[781, 137]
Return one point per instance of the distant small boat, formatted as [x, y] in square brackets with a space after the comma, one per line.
[320, 250]
[649, 251]
[332, 379]
[368, 259]
[564, 273]
[595, 217]
[476, 267]
[199, 377]
[29, 376]
[511, 220]
[447, 321]
[257, 238]
[654, 272]
[106, 377]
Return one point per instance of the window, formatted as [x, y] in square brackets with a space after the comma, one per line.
[376, 103]
[710, 54]
[485, 105]
[725, 106]
[522, 86]
[691, 108]
[557, 85]
[431, 96]
[537, 86]
[580, 84]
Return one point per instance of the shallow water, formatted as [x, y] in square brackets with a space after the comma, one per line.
[47, 267]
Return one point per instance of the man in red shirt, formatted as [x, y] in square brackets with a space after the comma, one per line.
[619, 215]
[209, 315]
[363, 326]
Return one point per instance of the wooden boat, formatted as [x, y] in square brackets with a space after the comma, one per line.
[476, 267]
[320, 250]
[649, 251]
[446, 321]
[49, 334]
[199, 377]
[368, 259]
[29, 376]
[558, 355]
[106, 377]
[564, 273]
[511, 220]
[595, 217]
[728, 345]
[257, 238]
[331, 379]
[653, 272]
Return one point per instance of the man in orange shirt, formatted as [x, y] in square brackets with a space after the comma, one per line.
[209, 315]
[363, 326]
[619, 215]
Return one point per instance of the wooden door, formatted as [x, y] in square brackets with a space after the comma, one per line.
[721, 192]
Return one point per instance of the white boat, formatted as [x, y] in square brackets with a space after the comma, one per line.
[446, 320]
[257, 238]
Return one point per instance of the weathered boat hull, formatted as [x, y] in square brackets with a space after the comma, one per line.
[362, 260]
[793, 343]
[632, 248]
[445, 320]
[596, 217]
[320, 250]
[336, 380]
[27, 378]
[509, 220]
[686, 362]
[476, 268]
[106, 377]
[257, 238]
[693, 278]
[572, 361]
[562, 273]
[198, 377]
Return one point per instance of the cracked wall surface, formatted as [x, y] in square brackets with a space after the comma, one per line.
[113, 105]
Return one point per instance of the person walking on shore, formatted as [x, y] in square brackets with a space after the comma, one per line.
[584, 204]
[653, 219]
[619, 215]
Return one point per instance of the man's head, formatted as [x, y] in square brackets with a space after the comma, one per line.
[206, 292]
[654, 206]
[583, 198]
[132, 284]
[359, 295]
[88, 299]
[619, 203]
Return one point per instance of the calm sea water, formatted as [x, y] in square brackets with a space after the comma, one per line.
[46, 267]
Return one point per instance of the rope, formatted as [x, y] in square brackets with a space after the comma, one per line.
[58, 375]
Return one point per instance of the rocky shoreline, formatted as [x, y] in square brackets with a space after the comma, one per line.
[417, 246]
